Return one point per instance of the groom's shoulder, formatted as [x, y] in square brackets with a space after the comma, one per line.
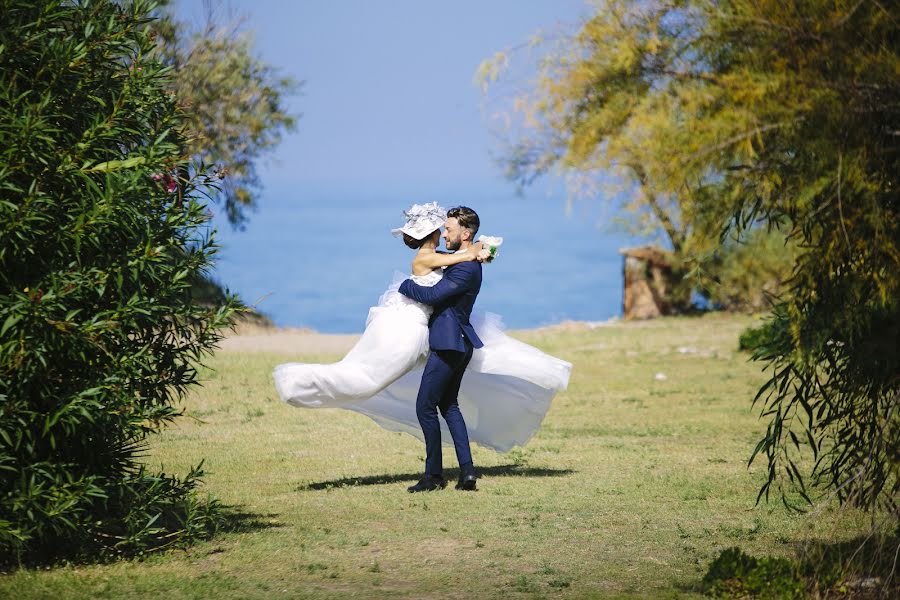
[472, 266]
[471, 269]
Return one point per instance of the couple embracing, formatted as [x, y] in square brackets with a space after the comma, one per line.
[425, 353]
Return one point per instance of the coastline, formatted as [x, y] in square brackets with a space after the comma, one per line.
[256, 337]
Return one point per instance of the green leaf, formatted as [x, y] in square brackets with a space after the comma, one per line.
[9, 322]
[115, 165]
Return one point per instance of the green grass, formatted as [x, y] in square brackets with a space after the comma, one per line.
[630, 489]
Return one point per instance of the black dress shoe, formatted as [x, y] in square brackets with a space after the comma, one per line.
[467, 482]
[428, 484]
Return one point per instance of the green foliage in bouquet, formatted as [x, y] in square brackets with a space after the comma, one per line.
[99, 334]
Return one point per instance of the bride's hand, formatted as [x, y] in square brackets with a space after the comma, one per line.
[476, 250]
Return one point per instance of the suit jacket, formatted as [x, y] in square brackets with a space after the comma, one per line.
[452, 299]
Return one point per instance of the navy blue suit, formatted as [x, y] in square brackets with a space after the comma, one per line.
[452, 340]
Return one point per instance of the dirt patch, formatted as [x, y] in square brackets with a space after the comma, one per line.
[288, 341]
[251, 337]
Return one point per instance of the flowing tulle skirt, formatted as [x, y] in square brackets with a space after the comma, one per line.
[505, 392]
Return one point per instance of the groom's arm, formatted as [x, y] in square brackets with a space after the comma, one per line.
[455, 282]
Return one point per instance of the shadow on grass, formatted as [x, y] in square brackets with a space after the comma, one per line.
[236, 520]
[513, 470]
[87, 551]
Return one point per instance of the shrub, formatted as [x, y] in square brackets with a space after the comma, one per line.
[863, 567]
[101, 232]
[749, 275]
[736, 574]
[752, 339]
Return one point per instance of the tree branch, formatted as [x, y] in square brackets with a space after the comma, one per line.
[675, 237]
[739, 138]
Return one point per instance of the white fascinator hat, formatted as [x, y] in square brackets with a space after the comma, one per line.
[422, 219]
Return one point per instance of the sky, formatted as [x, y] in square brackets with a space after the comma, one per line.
[390, 114]
[388, 96]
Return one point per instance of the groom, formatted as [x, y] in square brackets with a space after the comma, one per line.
[452, 340]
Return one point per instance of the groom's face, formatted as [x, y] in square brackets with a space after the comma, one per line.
[453, 234]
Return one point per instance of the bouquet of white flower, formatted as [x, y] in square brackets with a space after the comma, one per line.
[491, 245]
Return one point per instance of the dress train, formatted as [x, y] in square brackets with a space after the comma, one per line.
[505, 393]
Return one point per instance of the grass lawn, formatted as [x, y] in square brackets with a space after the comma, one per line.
[637, 479]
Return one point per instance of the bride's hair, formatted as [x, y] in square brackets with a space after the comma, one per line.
[413, 242]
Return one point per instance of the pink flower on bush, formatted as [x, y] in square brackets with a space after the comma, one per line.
[170, 182]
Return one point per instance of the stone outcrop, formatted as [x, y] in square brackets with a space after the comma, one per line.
[648, 283]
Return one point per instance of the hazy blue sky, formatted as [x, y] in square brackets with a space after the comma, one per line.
[391, 115]
[388, 97]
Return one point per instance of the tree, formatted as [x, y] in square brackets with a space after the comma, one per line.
[595, 116]
[748, 274]
[763, 113]
[99, 333]
[234, 102]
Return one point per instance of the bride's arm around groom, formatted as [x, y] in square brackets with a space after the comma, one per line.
[459, 279]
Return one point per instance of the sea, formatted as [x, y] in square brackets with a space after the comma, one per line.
[319, 258]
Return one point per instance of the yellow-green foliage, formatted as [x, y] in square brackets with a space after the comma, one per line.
[731, 114]
[750, 274]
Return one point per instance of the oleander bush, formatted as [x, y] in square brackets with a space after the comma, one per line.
[102, 228]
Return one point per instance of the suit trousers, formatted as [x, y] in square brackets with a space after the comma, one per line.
[439, 390]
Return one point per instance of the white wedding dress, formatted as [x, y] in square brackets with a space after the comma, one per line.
[505, 392]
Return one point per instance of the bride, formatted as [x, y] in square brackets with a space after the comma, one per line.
[505, 392]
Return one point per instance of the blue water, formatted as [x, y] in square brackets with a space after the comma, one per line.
[320, 259]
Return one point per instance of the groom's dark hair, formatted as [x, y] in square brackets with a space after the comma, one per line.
[467, 218]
